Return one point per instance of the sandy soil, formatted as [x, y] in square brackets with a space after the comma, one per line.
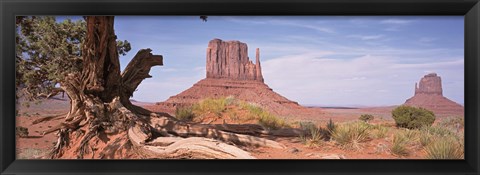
[34, 146]
[374, 149]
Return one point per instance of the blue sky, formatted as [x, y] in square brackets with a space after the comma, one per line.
[314, 60]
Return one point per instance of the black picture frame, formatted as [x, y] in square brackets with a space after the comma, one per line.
[470, 9]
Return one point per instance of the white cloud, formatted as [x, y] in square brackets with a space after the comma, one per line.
[312, 78]
[168, 70]
[393, 29]
[426, 39]
[200, 69]
[394, 25]
[317, 28]
[310, 67]
[274, 21]
[160, 89]
[367, 37]
[359, 21]
[356, 78]
[432, 65]
[241, 20]
[396, 21]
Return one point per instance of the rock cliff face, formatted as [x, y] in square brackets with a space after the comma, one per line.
[229, 59]
[429, 95]
[429, 84]
[231, 73]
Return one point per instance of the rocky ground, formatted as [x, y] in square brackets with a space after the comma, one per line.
[53, 110]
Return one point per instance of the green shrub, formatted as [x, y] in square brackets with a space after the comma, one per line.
[366, 117]
[399, 145]
[184, 113]
[412, 117]
[350, 135]
[445, 148]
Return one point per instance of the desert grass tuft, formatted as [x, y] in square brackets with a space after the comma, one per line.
[265, 118]
[411, 133]
[184, 113]
[399, 145]
[452, 123]
[223, 106]
[350, 135]
[425, 139]
[381, 132]
[445, 148]
[313, 136]
[271, 121]
[210, 106]
[437, 131]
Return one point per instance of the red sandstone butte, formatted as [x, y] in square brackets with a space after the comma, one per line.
[229, 59]
[429, 95]
[231, 73]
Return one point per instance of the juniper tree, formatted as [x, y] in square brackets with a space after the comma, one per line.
[47, 50]
[102, 122]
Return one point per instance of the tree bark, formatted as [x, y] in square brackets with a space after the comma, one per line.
[135, 72]
[101, 66]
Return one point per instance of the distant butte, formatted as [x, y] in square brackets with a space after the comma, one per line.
[429, 95]
[430, 84]
[229, 72]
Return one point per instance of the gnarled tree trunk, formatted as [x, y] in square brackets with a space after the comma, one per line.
[103, 123]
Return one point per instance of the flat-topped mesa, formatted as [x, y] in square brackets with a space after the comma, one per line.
[429, 84]
[229, 59]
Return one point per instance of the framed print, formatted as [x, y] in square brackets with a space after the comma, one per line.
[279, 87]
